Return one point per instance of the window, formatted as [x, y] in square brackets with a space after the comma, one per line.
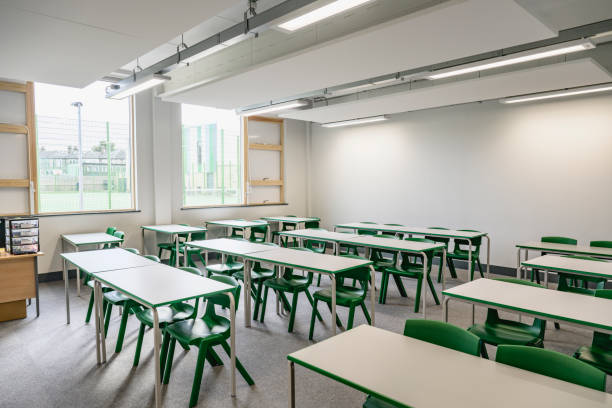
[212, 159]
[85, 149]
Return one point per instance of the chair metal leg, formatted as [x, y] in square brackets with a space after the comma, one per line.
[139, 344]
[365, 312]
[293, 311]
[312, 319]
[417, 298]
[351, 317]
[122, 326]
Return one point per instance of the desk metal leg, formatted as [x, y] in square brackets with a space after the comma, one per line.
[546, 278]
[78, 275]
[425, 284]
[101, 322]
[333, 299]
[443, 269]
[488, 255]
[470, 273]
[156, 355]
[518, 264]
[36, 283]
[143, 241]
[445, 309]
[291, 384]
[247, 293]
[65, 273]
[176, 258]
[233, 342]
[473, 313]
[373, 292]
[97, 320]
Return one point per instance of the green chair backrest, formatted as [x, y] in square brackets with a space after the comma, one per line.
[559, 240]
[237, 232]
[366, 232]
[601, 244]
[553, 364]
[476, 242]
[289, 271]
[197, 236]
[111, 230]
[362, 275]
[191, 269]
[152, 258]
[261, 230]
[221, 299]
[133, 250]
[257, 265]
[603, 340]
[566, 281]
[377, 254]
[119, 234]
[439, 239]
[443, 334]
[406, 256]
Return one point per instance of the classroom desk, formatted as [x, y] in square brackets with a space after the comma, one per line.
[433, 232]
[572, 266]
[318, 263]
[154, 286]
[560, 307]
[409, 372]
[297, 222]
[18, 282]
[87, 239]
[559, 249]
[245, 226]
[319, 235]
[99, 261]
[173, 230]
[234, 247]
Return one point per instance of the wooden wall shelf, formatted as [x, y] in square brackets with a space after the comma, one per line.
[259, 146]
[10, 128]
[14, 183]
[266, 182]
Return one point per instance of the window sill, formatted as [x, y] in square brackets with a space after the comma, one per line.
[102, 212]
[204, 207]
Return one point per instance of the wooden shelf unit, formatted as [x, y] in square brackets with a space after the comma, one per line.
[269, 147]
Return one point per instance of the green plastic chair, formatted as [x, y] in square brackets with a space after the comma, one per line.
[316, 223]
[535, 274]
[227, 268]
[289, 283]
[498, 331]
[133, 250]
[552, 364]
[204, 333]
[346, 296]
[435, 332]
[191, 252]
[109, 231]
[410, 269]
[259, 275]
[173, 313]
[365, 231]
[152, 258]
[601, 244]
[462, 254]
[439, 253]
[259, 233]
[599, 353]
[171, 246]
[118, 234]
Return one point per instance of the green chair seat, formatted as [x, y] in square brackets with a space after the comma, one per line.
[255, 275]
[115, 297]
[345, 296]
[596, 356]
[287, 285]
[192, 331]
[508, 332]
[166, 314]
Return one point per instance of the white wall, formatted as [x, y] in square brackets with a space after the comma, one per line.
[515, 171]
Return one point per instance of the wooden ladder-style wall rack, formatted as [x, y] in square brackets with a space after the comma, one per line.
[29, 131]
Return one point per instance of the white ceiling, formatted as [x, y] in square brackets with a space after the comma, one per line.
[451, 30]
[72, 42]
[563, 14]
[545, 78]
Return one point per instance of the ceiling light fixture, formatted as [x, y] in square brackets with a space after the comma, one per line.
[559, 94]
[149, 81]
[531, 55]
[298, 103]
[352, 122]
[331, 9]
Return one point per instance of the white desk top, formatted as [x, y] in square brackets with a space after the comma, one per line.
[412, 230]
[567, 249]
[237, 223]
[230, 246]
[392, 244]
[322, 235]
[571, 265]
[105, 260]
[571, 307]
[91, 238]
[290, 220]
[173, 228]
[158, 284]
[410, 371]
[308, 260]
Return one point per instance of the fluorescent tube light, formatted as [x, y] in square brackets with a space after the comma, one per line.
[545, 52]
[298, 103]
[352, 122]
[141, 84]
[559, 94]
[331, 9]
[217, 48]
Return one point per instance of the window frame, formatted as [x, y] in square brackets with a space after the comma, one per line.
[133, 174]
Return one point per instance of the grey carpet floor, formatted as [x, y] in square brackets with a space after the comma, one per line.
[46, 363]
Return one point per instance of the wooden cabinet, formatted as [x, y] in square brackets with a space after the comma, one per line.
[18, 282]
